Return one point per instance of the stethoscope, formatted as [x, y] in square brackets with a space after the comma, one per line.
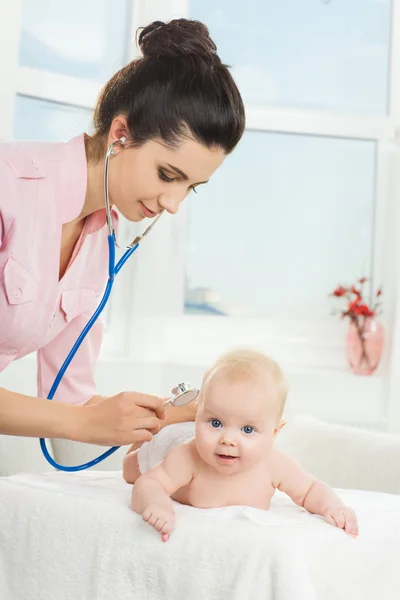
[183, 393]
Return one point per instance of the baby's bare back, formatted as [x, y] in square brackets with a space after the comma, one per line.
[211, 489]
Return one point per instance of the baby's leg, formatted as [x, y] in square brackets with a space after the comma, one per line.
[131, 470]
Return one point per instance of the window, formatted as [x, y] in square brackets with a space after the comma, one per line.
[287, 217]
[316, 54]
[302, 203]
[37, 119]
[88, 40]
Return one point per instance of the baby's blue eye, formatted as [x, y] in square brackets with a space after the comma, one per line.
[247, 429]
[215, 423]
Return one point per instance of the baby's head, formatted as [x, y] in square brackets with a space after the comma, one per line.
[241, 403]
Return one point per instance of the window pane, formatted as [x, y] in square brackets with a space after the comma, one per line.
[86, 39]
[322, 54]
[285, 219]
[48, 121]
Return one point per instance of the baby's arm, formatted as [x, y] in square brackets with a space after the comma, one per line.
[314, 495]
[151, 494]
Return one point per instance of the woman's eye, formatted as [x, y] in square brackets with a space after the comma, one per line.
[164, 176]
[194, 189]
[248, 429]
[215, 423]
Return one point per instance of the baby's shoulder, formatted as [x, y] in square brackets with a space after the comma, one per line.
[188, 451]
[277, 457]
[279, 462]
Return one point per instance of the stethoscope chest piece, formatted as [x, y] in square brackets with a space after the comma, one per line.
[183, 393]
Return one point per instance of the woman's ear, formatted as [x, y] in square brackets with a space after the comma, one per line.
[118, 129]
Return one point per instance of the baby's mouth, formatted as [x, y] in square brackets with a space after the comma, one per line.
[227, 458]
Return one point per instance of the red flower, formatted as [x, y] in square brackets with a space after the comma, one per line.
[364, 310]
[340, 291]
[354, 305]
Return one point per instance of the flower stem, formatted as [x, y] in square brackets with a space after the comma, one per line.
[361, 334]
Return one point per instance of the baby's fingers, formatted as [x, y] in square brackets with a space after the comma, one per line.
[340, 519]
[146, 514]
[160, 524]
[329, 519]
[149, 517]
[166, 530]
[351, 525]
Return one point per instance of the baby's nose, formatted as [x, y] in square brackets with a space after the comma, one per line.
[228, 440]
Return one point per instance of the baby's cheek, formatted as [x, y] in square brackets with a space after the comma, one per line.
[204, 438]
[258, 448]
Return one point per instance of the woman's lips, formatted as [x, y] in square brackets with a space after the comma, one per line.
[147, 212]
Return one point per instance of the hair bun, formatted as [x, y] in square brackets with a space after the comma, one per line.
[178, 38]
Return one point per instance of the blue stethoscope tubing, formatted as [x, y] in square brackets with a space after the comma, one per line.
[113, 270]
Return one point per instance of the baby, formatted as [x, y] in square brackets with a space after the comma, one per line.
[232, 459]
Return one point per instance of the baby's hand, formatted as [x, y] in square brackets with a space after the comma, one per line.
[342, 517]
[160, 517]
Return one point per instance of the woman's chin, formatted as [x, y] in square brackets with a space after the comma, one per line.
[133, 216]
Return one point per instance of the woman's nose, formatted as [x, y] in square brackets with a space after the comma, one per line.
[170, 203]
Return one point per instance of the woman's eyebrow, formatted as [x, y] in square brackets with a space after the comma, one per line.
[182, 174]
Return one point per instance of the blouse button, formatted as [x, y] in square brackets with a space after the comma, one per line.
[17, 293]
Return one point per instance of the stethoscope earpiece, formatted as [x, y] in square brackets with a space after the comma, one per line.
[121, 140]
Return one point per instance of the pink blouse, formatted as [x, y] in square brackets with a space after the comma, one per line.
[43, 186]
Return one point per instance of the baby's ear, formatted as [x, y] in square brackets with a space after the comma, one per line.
[279, 427]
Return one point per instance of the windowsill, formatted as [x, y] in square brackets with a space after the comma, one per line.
[110, 360]
[343, 373]
[332, 394]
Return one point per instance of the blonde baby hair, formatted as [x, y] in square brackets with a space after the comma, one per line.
[242, 364]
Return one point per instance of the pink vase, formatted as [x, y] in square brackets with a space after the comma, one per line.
[364, 345]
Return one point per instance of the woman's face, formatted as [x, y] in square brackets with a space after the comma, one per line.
[154, 177]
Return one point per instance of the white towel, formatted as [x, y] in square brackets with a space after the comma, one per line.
[74, 537]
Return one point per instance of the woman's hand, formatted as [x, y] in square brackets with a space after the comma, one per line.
[127, 418]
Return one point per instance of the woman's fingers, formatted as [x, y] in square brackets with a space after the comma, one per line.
[153, 402]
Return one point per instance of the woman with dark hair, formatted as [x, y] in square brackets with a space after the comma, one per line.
[173, 116]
